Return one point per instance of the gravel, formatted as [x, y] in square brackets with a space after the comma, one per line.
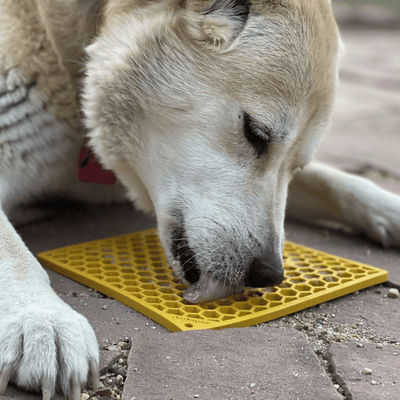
[112, 382]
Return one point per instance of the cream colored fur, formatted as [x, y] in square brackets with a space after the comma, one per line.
[205, 110]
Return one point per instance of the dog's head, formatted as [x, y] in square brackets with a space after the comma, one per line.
[204, 110]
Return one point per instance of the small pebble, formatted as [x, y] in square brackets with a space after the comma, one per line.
[367, 371]
[196, 396]
[374, 383]
[84, 396]
[119, 379]
[393, 293]
[104, 307]
[336, 386]
[105, 391]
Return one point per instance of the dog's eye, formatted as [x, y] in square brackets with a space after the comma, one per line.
[257, 137]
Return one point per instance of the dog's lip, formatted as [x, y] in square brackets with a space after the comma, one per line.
[183, 256]
[207, 289]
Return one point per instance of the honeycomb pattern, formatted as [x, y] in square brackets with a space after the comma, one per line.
[134, 270]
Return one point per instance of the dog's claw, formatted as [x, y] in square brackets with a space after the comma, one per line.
[76, 388]
[47, 389]
[94, 370]
[4, 378]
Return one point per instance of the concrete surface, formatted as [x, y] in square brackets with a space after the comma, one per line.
[314, 354]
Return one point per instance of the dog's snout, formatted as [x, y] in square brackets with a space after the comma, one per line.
[264, 273]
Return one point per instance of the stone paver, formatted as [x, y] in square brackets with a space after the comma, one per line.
[384, 380]
[242, 363]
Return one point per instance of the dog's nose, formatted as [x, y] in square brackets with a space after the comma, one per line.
[265, 272]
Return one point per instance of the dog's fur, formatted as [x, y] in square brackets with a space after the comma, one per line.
[205, 110]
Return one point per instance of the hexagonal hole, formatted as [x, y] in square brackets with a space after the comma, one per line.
[76, 263]
[317, 282]
[320, 267]
[304, 264]
[172, 304]
[344, 274]
[211, 314]
[111, 273]
[227, 317]
[310, 276]
[112, 280]
[192, 309]
[146, 280]
[304, 294]
[333, 284]
[130, 282]
[351, 265]
[153, 300]
[150, 293]
[166, 290]
[258, 301]
[159, 307]
[288, 292]
[297, 280]
[243, 306]
[292, 274]
[272, 304]
[144, 274]
[149, 286]
[93, 265]
[258, 309]
[302, 288]
[357, 271]
[60, 255]
[94, 271]
[289, 299]
[317, 289]
[133, 289]
[325, 272]
[338, 268]
[243, 313]
[273, 297]
[77, 257]
[228, 310]
[330, 278]
[169, 296]
[287, 284]
[124, 259]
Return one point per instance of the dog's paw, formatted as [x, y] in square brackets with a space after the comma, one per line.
[48, 347]
[382, 222]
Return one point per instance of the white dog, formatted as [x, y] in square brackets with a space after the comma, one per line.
[204, 110]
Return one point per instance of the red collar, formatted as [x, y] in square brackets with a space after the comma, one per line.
[90, 169]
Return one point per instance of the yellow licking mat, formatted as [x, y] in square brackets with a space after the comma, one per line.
[134, 270]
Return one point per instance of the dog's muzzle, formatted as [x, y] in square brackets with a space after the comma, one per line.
[261, 273]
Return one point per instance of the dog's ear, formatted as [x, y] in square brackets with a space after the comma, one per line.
[70, 25]
[216, 23]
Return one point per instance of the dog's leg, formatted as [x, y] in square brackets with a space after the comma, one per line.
[320, 193]
[42, 339]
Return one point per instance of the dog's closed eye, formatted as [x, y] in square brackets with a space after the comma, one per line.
[258, 137]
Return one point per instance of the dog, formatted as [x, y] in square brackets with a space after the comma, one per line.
[207, 112]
